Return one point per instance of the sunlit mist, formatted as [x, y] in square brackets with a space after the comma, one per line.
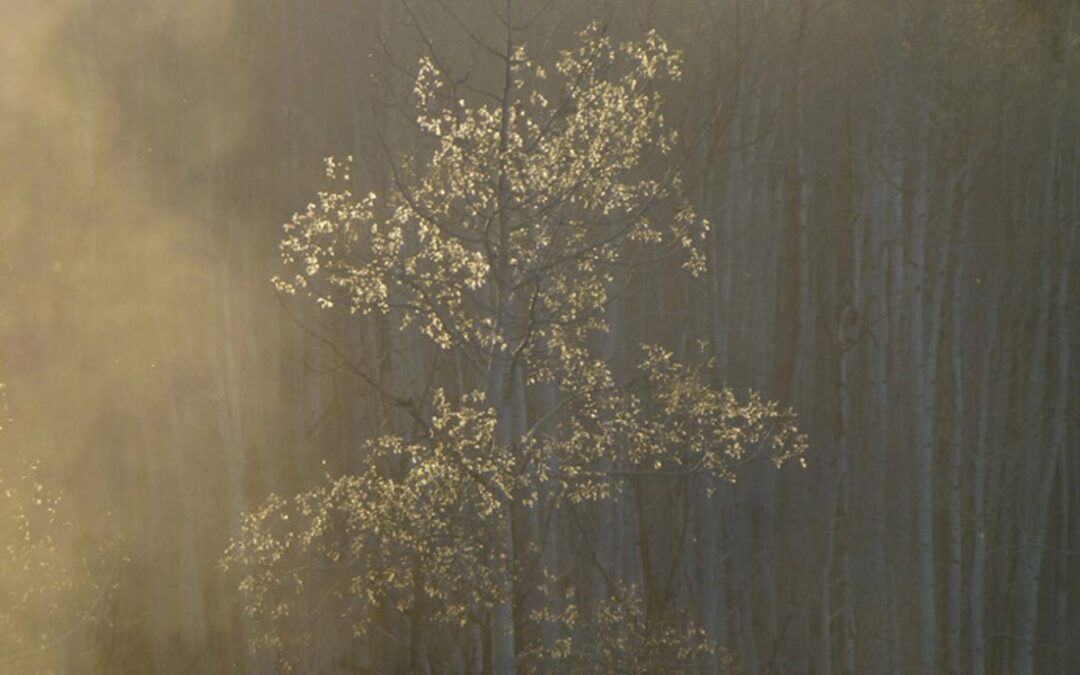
[514, 336]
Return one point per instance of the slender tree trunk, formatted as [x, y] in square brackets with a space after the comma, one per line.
[848, 351]
[839, 530]
[1060, 423]
[1067, 321]
[1038, 484]
[825, 611]
[924, 335]
[500, 384]
[954, 496]
[875, 308]
[1040, 476]
[977, 591]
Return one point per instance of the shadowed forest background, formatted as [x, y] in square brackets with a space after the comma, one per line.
[893, 190]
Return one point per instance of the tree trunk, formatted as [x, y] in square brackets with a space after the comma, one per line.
[924, 334]
[954, 497]
[977, 592]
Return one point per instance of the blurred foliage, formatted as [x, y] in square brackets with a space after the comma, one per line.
[56, 581]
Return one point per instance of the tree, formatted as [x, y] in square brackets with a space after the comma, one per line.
[55, 585]
[504, 246]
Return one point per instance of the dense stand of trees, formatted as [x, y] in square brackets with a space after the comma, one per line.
[893, 190]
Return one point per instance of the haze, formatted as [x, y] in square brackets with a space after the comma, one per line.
[877, 227]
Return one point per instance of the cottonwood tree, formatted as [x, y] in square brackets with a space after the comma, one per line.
[504, 245]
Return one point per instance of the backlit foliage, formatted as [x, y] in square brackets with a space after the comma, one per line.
[421, 527]
[507, 236]
[417, 530]
[54, 586]
[33, 583]
[677, 425]
[616, 638]
[505, 244]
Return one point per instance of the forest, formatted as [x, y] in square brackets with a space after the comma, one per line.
[540, 336]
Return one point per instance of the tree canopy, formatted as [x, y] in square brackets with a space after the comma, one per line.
[505, 244]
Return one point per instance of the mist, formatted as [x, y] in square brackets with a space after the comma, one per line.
[893, 199]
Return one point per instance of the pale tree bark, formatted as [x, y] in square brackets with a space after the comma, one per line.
[854, 342]
[925, 292]
[875, 327]
[1067, 318]
[987, 378]
[804, 194]
[954, 497]
[1060, 421]
[1039, 475]
[847, 339]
